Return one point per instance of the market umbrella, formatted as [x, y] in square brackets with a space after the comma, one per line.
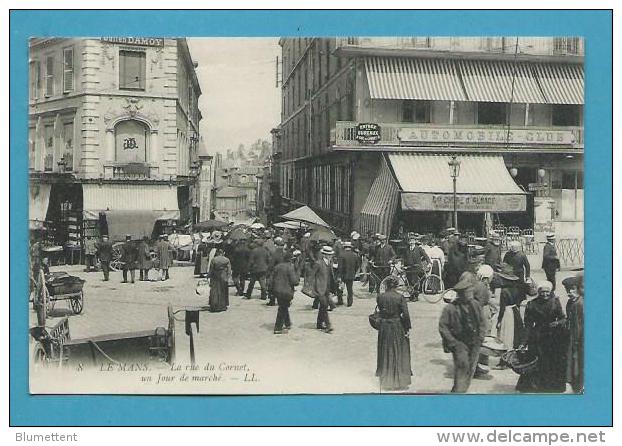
[290, 225]
[305, 214]
[209, 225]
[322, 234]
[238, 233]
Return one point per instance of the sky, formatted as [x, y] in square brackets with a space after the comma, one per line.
[239, 102]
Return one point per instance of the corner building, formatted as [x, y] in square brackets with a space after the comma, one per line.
[113, 135]
[369, 125]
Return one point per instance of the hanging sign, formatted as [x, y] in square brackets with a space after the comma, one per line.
[367, 133]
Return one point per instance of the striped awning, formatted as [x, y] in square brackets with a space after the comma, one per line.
[421, 79]
[491, 81]
[379, 208]
[483, 184]
[561, 83]
[158, 198]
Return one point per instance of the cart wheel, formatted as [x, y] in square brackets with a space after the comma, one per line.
[39, 357]
[77, 303]
[115, 263]
[170, 339]
[401, 288]
[432, 288]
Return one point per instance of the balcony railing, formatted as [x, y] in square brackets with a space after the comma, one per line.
[130, 171]
[346, 134]
[541, 46]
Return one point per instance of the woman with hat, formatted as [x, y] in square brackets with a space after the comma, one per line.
[509, 319]
[393, 363]
[544, 336]
[219, 273]
[574, 315]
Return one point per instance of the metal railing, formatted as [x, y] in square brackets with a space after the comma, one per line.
[570, 252]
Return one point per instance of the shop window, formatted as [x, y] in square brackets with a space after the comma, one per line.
[416, 111]
[67, 70]
[131, 141]
[132, 70]
[566, 115]
[492, 113]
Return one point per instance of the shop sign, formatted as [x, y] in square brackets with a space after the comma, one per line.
[367, 133]
[423, 201]
[139, 41]
[470, 135]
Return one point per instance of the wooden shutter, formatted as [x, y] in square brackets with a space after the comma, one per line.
[67, 69]
[49, 76]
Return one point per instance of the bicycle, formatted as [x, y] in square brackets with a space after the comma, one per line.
[430, 285]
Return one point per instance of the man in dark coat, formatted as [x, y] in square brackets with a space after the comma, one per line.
[323, 276]
[492, 254]
[463, 328]
[518, 261]
[415, 261]
[349, 264]
[284, 279]
[104, 252]
[550, 261]
[276, 257]
[258, 263]
[129, 257]
[239, 265]
[383, 256]
[457, 262]
[144, 259]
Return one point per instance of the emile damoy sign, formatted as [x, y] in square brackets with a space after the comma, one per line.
[367, 133]
[138, 41]
[424, 201]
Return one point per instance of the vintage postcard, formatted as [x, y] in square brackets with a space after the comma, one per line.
[306, 215]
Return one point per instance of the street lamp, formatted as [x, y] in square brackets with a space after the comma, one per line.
[454, 171]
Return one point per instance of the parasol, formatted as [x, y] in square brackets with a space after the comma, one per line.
[305, 214]
[290, 225]
[322, 234]
[209, 225]
[257, 226]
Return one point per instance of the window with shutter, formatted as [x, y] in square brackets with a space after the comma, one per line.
[49, 76]
[67, 70]
[35, 82]
[132, 70]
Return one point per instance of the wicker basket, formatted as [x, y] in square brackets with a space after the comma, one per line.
[65, 285]
[520, 361]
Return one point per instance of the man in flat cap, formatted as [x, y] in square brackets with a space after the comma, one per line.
[463, 329]
[129, 257]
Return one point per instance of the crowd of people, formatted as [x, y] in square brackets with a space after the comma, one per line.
[495, 295]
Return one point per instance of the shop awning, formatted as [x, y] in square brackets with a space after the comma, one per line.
[423, 79]
[561, 83]
[39, 199]
[491, 81]
[158, 199]
[483, 185]
[379, 208]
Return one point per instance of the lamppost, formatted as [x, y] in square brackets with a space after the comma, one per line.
[454, 171]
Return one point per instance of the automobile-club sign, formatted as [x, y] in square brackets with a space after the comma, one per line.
[367, 133]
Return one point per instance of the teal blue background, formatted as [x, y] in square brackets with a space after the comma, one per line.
[593, 408]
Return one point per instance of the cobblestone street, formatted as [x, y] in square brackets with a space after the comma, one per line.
[303, 361]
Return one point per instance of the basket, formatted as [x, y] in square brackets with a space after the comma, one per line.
[520, 361]
[493, 346]
[65, 285]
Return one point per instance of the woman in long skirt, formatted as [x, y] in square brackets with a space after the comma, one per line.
[509, 319]
[393, 365]
[546, 338]
[220, 271]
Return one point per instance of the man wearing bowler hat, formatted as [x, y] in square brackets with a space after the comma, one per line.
[104, 252]
[383, 256]
[550, 261]
[129, 257]
[463, 328]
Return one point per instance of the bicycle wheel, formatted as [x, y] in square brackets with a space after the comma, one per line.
[432, 288]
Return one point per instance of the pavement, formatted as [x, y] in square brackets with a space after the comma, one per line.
[236, 350]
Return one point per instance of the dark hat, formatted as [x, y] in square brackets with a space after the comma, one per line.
[464, 284]
[506, 272]
[570, 282]
[128, 237]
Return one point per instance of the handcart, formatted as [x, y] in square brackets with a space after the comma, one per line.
[62, 286]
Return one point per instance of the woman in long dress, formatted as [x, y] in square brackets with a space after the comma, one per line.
[509, 318]
[545, 337]
[219, 273]
[393, 365]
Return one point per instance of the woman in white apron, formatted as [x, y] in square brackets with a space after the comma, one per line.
[510, 316]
